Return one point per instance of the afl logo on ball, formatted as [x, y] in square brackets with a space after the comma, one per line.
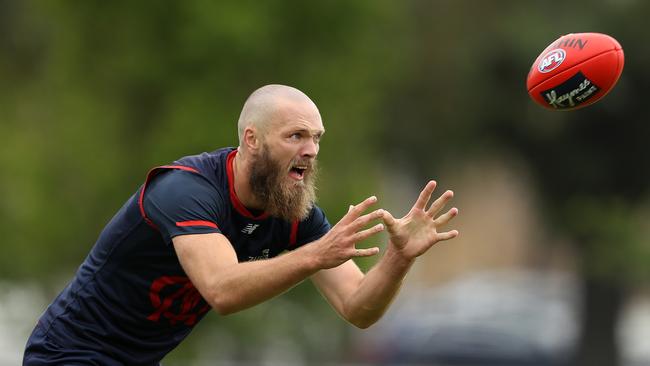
[551, 60]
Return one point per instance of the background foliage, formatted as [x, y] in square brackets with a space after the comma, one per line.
[93, 94]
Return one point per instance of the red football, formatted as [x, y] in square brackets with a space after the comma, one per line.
[576, 70]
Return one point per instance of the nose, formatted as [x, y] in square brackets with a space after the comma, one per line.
[310, 149]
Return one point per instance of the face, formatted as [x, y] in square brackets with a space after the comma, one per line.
[283, 174]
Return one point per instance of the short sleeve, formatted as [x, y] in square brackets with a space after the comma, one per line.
[312, 228]
[180, 202]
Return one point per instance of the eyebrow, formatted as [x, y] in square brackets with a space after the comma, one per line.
[310, 132]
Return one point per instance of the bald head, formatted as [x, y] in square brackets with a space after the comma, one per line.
[269, 104]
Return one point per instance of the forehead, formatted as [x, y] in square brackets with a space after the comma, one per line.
[298, 116]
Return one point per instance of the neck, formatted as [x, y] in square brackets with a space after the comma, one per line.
[241, 172]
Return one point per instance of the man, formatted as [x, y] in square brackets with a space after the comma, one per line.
[208, 231]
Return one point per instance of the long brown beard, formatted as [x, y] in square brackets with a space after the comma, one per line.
[280, 196]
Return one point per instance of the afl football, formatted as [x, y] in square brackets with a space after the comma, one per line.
[576, 70]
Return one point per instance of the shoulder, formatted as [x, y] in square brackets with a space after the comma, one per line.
[215, 165]
[181, 202]
[183, 187]
[176, 181]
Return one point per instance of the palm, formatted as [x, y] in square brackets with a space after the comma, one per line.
[418, 231]
[412, 229]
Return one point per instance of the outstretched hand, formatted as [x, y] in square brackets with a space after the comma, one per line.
[419, 230]
[338, 245]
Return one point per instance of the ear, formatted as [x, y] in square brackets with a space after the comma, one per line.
[252, 139]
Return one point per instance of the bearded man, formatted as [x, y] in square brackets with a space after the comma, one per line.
[227, 230]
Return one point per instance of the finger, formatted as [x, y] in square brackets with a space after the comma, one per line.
[425, 195]
[365, 234]
[388, 220]
[363, 220]
[447, 235]
[365, 252]
[356, 210]
[446, 217]
[438, 204]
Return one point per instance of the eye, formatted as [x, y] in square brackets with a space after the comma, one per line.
[295, 136]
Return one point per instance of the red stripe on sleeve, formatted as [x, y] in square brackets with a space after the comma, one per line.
[197, 223]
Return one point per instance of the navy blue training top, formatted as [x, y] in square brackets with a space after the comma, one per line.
[130, 302]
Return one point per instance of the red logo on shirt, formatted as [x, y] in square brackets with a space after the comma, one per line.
[176, 298]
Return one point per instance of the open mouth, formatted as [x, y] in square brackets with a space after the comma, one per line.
[298, 172]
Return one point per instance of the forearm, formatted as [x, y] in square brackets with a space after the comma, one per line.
[377, 289]
[243, 285]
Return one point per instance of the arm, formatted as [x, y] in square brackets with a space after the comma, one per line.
[228, 286]
[362, 300]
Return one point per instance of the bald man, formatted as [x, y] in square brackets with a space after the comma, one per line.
[227, 230]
